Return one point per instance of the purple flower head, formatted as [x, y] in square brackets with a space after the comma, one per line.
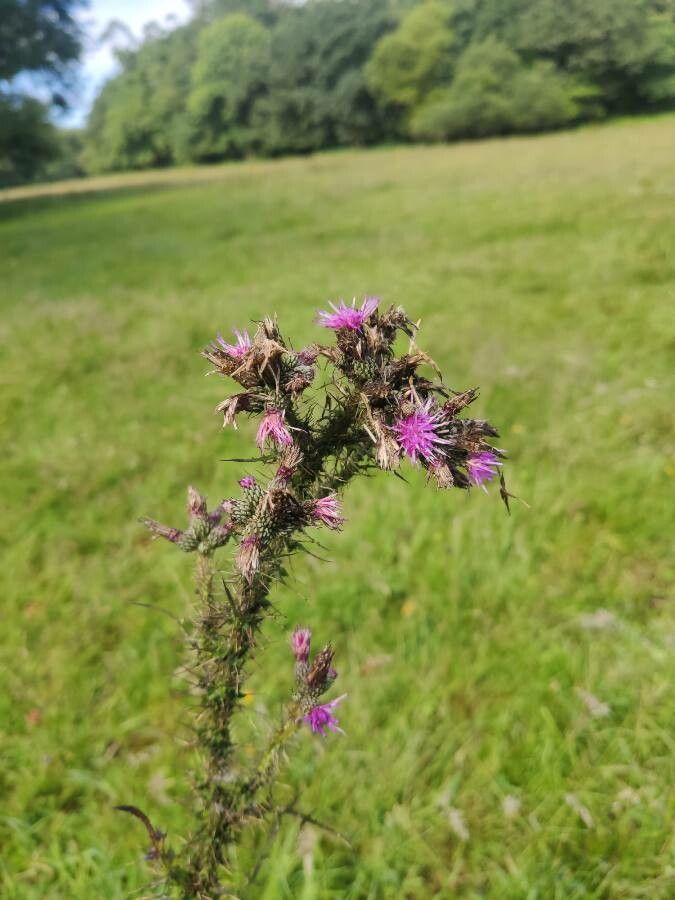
[241, 348]
[273, 428]
[327, 510]
[247, 482]
[418, 433]
[482, 466]
[300, 643]
[321, 718]
[349, 317]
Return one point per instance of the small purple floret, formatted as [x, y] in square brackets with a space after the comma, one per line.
[300, 644]
[273, 428]
[482, 466]
[418, 434]
[321, 718]
[349, 317]
[327, 510]
[241, 348]
[247, 482]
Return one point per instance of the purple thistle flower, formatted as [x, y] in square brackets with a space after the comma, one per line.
[320, 718]
[482, 467]
[241, 348]
[418, 433]
[300, 644]
[349, 317]
[273, 428]
[247, 482]
[327, 510]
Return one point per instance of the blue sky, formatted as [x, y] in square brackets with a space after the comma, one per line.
[98, 62]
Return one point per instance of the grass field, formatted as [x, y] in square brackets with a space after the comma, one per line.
[510, 710]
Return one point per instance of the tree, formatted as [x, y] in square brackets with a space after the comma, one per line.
[229, 74]
[317, 96]
[139, 119]
[41, 37]
[494, 93]
[415, 59]
[38, 36]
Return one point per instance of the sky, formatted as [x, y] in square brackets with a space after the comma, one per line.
[98, 62]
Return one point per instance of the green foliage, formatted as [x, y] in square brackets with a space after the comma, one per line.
[40, 37]
[416, 58]
[542, 268]
[27, 139]
[230, 73]
[317, 96]
[266, 78]
[494, 93]
[609, 43]
[138, 119]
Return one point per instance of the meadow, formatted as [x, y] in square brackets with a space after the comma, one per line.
[509, 713]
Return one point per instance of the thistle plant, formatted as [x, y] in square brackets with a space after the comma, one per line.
[370, 409]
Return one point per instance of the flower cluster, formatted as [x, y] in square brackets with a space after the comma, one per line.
[206, 531]
[375, 407]
[403, 414]
[313, 680]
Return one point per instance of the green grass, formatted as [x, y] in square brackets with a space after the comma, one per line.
[543, 270]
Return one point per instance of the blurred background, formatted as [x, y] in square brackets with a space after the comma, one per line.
[112, 85]
[175, 170]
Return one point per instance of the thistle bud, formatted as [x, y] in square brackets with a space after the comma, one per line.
[224, 507]
[218, 536]
[300, 644]
[307, 356]
[196, 504]
[163, 531]
[290, 462]
[247, 482]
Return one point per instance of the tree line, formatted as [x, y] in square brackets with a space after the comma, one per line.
[268, 77]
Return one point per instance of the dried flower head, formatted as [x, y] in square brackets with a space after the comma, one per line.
[230, 406]
[248, 556]
[348, 317]
[318, 680]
